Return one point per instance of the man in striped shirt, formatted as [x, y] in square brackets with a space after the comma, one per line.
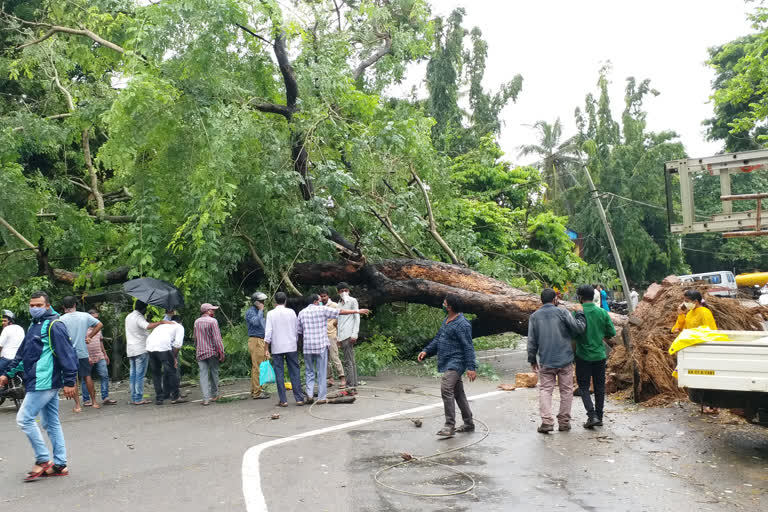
[313, 326]
[210, 352]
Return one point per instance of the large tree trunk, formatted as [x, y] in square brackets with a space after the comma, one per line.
[498, 306]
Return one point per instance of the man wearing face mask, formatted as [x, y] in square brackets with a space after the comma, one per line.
[347, 331]
[455, 355]
[49, 362]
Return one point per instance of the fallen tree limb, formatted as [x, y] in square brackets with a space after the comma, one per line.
[498, 306]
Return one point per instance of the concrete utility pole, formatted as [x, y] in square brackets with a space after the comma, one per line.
[609, 234]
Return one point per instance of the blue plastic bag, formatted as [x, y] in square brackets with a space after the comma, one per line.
[266, 373]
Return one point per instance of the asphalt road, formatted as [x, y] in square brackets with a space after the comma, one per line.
[188, 457]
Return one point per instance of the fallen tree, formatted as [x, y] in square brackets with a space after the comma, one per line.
[498, 306]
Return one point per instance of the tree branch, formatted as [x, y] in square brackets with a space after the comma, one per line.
[432, 223]
[370, 61]
[289, 77]
[271, 108]
[385, 220]
[257, 259]
[257, 36]
[18, 235]
[56, 29]
[92, 173]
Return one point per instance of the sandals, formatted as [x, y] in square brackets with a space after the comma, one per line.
[57, 470]
[446, 432]
[34, 475]
[108, 401]
[282, 404]
[143, 402]
[87, 404]
[467, 428]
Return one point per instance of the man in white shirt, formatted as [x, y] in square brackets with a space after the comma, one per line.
[136, 331]
[10, 339]
[162, 345]
[348, 330]
[281, 334]
[634, 298]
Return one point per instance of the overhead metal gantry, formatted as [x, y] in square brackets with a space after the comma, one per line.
[728, 222]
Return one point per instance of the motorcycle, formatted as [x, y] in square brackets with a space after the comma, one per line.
[619, 307]
[13, 391]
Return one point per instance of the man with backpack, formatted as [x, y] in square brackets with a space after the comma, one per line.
[49, 362]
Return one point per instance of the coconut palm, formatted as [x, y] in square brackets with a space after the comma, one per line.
[555, 157]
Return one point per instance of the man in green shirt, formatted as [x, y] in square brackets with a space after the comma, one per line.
[590, 355]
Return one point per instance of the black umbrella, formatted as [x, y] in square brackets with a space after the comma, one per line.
[155, 292]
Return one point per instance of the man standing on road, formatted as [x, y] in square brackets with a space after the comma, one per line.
[549, 336]
[281, 337]
[97, 358]
[78, 323]
[210, 352]
[10, 339]
[348, 330]
[136, 331]
[162, 346]
[49, 362]
[313, 325]
[455, 355]
[333, 348]
[590, 355]
[254, 318]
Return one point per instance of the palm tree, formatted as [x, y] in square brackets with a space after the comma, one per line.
[555, 157]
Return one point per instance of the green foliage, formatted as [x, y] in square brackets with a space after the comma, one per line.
[409, 326]
[375, 354]
[624, 160]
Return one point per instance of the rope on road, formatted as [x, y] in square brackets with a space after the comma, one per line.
[377, 476]
[424, 459]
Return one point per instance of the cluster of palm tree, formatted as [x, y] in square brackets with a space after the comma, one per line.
[557, 161]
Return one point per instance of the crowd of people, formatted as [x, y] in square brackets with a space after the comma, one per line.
[561, 342]
[56, 350]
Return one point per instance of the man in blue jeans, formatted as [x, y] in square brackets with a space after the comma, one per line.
[136, 332]
[98, 359]
[49, 362]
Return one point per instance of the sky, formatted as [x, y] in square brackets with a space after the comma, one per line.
[558, 46]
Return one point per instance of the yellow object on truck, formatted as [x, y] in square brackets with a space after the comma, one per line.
[752, 279]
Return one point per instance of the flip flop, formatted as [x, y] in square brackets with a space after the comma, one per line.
[34, 475]
[108, 401]
[87, 404]
[57, 470]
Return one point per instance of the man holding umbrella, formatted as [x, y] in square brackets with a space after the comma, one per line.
[158, 293]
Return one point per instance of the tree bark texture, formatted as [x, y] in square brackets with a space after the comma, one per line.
[498, 306]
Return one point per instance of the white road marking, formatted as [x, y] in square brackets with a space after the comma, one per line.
[254, 497]
[501, 354]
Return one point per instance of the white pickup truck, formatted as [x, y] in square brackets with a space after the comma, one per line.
[730, 374]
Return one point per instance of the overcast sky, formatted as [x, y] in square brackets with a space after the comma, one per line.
[559, 46]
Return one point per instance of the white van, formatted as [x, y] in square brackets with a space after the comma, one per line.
[723, 282]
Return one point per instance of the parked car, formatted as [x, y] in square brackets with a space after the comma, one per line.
[723, 282]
